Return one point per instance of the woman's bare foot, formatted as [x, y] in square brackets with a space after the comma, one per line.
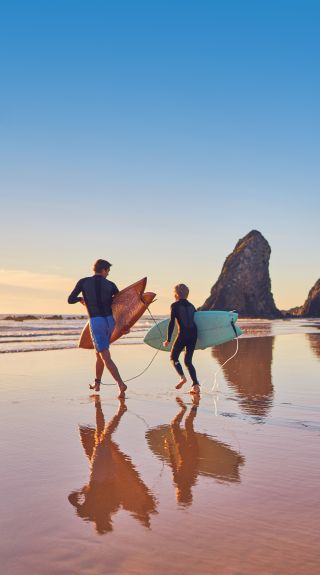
[195, 389]
[180, 402]
[178, 418]
[122, 388]
[96, 385]
[181, 382]
[195, 400]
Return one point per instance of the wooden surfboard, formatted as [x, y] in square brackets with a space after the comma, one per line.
[127, 306]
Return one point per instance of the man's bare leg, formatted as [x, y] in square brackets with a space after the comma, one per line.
[99, 371]
[99, 366]
[111, 366]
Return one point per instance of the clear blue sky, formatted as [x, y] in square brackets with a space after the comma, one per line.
[156, 134]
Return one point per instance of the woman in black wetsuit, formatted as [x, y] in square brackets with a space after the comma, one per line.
[183, 312]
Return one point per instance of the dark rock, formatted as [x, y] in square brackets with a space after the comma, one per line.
[311, 307]
[244, 283]
[21, 317]
[292, 312]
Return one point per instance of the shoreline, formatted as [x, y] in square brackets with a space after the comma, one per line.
[37, 338]
[121, 479]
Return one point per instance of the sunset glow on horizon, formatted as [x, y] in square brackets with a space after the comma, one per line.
[156, 136]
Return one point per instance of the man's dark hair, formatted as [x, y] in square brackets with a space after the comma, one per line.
[100, 265]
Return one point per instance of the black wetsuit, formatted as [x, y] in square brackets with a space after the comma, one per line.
[97, 293]
[183, 312]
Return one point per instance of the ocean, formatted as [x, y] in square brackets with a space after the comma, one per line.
[30, 332]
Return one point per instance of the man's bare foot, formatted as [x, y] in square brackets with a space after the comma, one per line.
[181, 382]
[195, 389]
[122, 388]
[95, 386]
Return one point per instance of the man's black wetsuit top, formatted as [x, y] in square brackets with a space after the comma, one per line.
[183, 311]
[97, 293]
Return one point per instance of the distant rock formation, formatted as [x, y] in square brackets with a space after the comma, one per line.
[292, 312]
[244, 283]
[311, 307]
[20, 317]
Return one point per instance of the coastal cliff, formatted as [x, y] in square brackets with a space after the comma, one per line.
[244, 284]
[311, 307]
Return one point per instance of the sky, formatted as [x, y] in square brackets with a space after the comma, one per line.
[156, 134]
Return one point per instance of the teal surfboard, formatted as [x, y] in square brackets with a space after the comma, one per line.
[214, 328]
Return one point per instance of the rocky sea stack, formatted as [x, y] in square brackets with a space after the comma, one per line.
[244, 284]
[311, 307]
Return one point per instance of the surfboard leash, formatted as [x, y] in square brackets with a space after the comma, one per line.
[221, 366]
[155, 355]
[150, 362]
[155, 321]
[145, 369]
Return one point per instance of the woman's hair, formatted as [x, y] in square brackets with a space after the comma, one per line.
[181, 290]
[100, 265]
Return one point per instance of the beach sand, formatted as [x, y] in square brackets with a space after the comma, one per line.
[159, 484]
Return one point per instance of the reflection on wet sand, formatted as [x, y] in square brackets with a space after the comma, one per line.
[249, 372]
[114, 482]
[314, 341]
[190, 453]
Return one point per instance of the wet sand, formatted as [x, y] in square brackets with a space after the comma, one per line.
[160, 483]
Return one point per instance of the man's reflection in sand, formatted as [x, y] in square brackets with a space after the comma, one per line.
[190, 453]
[114, 482]
[249, 372]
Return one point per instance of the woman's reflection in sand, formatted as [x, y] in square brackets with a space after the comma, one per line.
[249, 372]
[114, 482]
[190, 453]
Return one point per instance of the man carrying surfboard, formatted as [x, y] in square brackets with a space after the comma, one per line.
[97, 295]
[183, 312]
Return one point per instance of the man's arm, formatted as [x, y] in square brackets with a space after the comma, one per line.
[73, 297]
[171, 323]
[114, 290]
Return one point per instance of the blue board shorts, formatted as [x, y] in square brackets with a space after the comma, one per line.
[101, 329]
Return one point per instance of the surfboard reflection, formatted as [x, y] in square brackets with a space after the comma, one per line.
[114, 482]
[249, 372]
[190, 454]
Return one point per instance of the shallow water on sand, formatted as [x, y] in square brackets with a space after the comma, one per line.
[160, 483]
